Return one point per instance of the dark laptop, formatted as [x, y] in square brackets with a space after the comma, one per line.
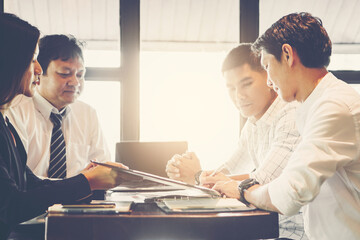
[150, 157]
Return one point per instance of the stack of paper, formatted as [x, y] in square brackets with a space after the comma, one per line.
[94, 208]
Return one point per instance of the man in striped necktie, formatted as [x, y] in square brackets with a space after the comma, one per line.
[62, 132]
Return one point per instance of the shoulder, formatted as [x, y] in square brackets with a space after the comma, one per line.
[22, 103]
[339, 98]
[22, 110]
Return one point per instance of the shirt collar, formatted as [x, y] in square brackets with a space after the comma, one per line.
[45, 107]
[313, 97]
[271, 113]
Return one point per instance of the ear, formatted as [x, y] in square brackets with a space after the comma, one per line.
[288, 54]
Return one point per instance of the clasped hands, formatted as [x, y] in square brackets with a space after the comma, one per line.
[184, 167]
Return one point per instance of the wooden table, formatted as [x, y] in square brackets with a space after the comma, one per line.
[147, 222]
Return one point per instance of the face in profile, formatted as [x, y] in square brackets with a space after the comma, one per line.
[63, 82]
[31, 75]
[248, 91]
[277, 76]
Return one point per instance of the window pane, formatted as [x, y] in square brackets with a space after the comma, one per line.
[96, 22]
[105, 98]
[183, 95]
[340, 19]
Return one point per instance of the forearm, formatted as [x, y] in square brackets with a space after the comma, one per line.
[258, 196]
[23, 205]
[239, 177]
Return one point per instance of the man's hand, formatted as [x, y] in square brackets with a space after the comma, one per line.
[228, 188]
[103, 178]
[209, 178]
[183, 167]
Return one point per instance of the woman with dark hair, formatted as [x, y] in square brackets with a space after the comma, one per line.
[23, 195]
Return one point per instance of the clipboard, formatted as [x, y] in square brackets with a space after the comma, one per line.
[162, 180]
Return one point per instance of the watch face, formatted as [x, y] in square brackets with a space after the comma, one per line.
[248, 183]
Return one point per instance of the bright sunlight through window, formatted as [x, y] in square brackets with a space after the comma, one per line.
[183, 97]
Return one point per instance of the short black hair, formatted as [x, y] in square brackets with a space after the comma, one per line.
[17, 47]
[53, 47]
[240, 56]
[302, 31]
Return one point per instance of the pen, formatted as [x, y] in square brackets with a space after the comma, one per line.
[217, 170]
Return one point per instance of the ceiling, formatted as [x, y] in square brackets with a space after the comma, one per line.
[182, 24]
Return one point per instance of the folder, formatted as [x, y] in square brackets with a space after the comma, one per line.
[161, 180]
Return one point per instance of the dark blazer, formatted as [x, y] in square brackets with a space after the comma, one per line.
[23, 195]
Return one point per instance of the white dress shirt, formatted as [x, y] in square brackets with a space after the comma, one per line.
[83, 136]
[323, 174]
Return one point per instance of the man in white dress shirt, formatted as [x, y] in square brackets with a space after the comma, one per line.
[323, 174]
[62, 81]
[267, 139]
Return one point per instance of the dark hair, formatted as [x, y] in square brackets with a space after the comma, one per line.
[53, 47]
[302, 31]
[17, 46]
[241, 55]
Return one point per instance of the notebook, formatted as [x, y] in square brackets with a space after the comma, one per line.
[150, 157]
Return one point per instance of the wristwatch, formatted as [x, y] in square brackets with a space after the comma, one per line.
[247, 183]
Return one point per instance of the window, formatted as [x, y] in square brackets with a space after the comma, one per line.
[105, 98]
[182, 93]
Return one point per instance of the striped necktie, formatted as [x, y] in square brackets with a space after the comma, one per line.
[57, 165]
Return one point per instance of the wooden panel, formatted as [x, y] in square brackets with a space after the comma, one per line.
[167, 16]
[194, 15]
[112, 20]
[42, 15]
[85, 20]
[56, 17]
[351, 28]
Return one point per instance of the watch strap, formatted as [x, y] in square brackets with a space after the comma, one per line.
[244, 185]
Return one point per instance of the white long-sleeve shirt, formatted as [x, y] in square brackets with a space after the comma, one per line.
[323, 174]
[83, 136]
